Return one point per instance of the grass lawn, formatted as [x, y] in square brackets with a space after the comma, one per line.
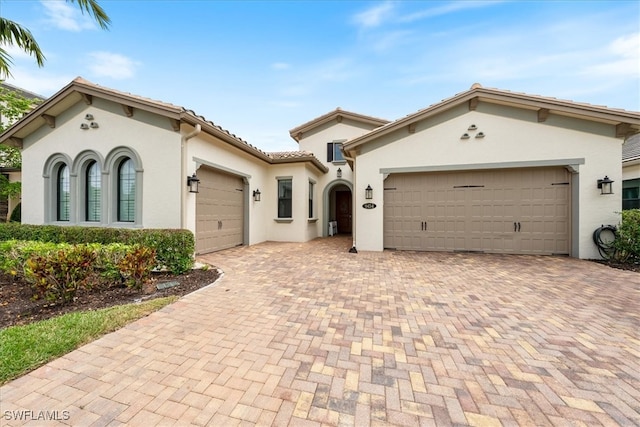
[24, 348]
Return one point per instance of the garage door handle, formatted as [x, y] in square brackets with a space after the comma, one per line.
[518, 227]
[515, 227]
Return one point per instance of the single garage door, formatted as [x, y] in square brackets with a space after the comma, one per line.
[219, 211]
[519, 211]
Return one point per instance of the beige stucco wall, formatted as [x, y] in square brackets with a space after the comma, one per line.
[207, 150]
[316, 141]
[512, 136]
[151, 136]
[631, 170]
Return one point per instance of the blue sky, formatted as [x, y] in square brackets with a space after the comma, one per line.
[259, 69]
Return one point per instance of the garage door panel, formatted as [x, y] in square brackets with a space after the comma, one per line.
[481, 210]
[219, 211]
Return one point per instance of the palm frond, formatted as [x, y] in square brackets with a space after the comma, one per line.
[94, 9]
[12, 33]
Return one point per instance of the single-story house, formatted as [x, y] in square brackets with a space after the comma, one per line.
[485, 170]
[631, 173]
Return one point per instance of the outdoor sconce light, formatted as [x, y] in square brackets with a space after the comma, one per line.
[605, 185]
[339, 173]
[368, 193]
[192, 183]
[84, 126]
[88, 117]
[256, 195]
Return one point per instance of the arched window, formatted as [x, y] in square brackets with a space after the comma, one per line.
[63, 194]
[92, 197]
[126, 190]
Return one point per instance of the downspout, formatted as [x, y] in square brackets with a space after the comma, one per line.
[183, 172]
[354, 208]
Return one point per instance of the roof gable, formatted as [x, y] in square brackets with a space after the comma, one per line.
[81, 90]
[338, 115]
[626, 122]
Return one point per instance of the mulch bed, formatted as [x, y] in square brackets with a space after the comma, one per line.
[17, 306]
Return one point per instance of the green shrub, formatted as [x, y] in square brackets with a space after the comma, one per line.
[57, 276]
[58, 270]
[16, 214]
[174, 248]
[135, 267]
[627, 243]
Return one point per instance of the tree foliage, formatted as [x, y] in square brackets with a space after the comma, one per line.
[12, 107]
[14, 34]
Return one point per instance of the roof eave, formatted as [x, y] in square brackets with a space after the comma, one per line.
[306, 159]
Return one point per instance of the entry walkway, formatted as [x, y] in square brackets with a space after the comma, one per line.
[309, 334]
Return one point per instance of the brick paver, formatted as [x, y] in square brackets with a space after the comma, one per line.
[309, 334]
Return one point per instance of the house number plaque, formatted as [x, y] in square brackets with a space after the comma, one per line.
[369, 205]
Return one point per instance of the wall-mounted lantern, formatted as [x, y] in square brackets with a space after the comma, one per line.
[339, 173]
[256, 195]
[605, 185]
[193, 182]
[368, 193]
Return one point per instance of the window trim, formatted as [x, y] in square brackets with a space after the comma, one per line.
[331, 152]
[50, 174]
[311, 198]
[112, 163]
[80, 166]
[279, 180]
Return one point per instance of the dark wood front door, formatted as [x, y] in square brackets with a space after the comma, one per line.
[343, 211]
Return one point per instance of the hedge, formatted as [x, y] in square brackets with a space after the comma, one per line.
[174, 248]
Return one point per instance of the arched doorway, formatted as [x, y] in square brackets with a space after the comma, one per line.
[338, 207]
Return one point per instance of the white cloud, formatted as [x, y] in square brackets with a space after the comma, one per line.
[113, 65]
[65, 16]
[39, 82]
[280, 66]
[622, 58]
[445, 9]
[375, 16]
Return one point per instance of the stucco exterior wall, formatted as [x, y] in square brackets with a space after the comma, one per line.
[150, 136]
[206, 150]
[513, 138]
[316, 142]
[631, 170]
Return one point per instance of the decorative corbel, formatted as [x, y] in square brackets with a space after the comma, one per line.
[412, 127]
[543, 113]
[339, 118]
[50, 120]
[473, 104]
[623, 130]
[128, 110]
[88, 99]
[175, 124]
[14, 142]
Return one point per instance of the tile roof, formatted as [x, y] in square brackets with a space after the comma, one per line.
[171, 110]
[560, 106]
[631, 148]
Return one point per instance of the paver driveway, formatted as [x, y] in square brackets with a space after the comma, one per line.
[308, 334]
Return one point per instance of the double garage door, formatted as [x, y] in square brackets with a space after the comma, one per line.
[219, 211]
[518, 211]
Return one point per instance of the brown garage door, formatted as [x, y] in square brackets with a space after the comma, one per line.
[521, 211]
[219, 211]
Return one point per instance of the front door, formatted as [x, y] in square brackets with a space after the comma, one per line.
[343, 211]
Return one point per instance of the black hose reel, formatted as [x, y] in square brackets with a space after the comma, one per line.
[603, 237]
